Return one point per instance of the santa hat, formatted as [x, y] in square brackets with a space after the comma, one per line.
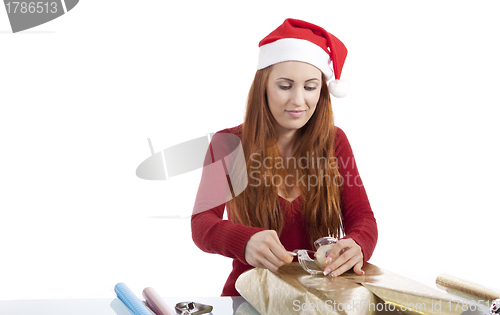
[302, 41]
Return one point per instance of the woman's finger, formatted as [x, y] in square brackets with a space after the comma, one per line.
[357, 269]
[340, 270]
[340, 262]
[265, 250]
[345, 255]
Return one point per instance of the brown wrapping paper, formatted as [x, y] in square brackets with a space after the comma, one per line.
[291, 290]
[410, 297]
[466, 290]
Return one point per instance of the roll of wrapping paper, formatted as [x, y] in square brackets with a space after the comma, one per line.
[133, 303]
[156, 303]
[467, 290]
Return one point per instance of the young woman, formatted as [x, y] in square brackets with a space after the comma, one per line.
[301, 179]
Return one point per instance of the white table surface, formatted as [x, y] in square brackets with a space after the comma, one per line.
[112, 306]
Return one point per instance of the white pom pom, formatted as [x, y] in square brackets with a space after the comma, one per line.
[339, 88]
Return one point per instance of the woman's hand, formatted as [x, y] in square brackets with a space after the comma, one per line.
[344, 255]
[264, 250]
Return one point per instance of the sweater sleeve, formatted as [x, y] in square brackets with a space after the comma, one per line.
[214, 235]
[210, 232]
[358, 219]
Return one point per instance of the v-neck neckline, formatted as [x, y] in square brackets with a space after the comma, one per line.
[287, 199]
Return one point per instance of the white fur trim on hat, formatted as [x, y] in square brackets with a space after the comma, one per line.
[288, 49]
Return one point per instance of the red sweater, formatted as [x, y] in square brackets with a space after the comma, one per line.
[212, 234]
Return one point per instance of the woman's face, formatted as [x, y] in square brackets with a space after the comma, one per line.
[293, 90]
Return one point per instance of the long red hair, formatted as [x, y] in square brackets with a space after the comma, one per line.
[258, 205]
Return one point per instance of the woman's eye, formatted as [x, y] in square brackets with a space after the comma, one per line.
[310, 88]
[285, 87]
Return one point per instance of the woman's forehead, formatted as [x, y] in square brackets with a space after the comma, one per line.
[295, 70]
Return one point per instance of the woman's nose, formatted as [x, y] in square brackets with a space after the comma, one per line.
[298, 97]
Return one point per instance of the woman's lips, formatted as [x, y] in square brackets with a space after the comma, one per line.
[296, 113]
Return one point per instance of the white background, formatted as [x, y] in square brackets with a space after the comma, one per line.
[80, 95]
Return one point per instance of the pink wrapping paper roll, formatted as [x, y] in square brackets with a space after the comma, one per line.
[466, 289]
[156, 303]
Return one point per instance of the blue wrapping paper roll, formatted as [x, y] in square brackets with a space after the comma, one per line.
[130, 300]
